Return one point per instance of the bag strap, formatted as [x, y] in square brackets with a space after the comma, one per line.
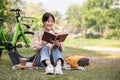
[34, 60]
[36, 55]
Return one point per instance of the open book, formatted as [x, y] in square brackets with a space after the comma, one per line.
[49, 36]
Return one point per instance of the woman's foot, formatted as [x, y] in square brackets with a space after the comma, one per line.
[49, 69]
[58, 69]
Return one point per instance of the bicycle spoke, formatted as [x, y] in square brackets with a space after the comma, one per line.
[25, 51]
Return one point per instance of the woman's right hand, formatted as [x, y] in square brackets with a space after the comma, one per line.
[56, 43]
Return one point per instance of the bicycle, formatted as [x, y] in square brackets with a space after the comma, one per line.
[21, 39]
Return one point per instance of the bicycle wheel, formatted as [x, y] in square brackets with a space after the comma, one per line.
[0, 52]
[0, 49]
[25, 51]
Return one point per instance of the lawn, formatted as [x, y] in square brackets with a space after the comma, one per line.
[92, 42]
[103, 66]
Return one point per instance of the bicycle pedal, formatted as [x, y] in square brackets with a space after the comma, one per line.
[27, 45]
[19, 46]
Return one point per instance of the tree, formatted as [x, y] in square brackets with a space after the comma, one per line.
[3, 4]
[95, 14]
[114, 18]
[9, 17]
[74, 17]
[58, 19]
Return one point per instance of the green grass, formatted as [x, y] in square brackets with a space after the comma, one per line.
[103, 66]
[92, 42]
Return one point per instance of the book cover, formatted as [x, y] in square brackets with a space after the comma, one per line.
[49, 36]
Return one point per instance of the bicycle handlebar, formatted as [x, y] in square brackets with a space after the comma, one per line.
[17, 11]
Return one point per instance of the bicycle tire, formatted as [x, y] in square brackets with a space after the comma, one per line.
[24, 51]
[0, 52]
[0, 49]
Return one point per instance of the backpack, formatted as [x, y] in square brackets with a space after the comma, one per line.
[77, 60]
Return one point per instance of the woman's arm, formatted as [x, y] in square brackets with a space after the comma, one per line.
[58, 44]
[37, 43]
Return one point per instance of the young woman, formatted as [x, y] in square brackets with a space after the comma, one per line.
[49, 55]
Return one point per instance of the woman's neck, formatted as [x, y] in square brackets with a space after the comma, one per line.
[47, 29]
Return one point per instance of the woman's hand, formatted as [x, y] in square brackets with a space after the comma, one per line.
[56, 43]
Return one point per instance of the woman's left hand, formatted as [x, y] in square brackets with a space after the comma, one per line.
[56, 43]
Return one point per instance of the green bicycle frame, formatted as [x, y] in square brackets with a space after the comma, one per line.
[18, 30]
[2, 36]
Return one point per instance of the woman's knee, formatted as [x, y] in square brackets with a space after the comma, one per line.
[45, 48]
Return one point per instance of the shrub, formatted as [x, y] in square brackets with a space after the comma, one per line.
[115, 34]
[93, 36]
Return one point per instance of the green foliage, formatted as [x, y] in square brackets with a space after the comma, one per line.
[114, 18]
[114, 34]
[4, 13]
[35, 11]
[58, 19]
[96, 14]
[57, 16]
[3, 4]
[93, 36]
[37, 24]
[74, 16]
[9, 17]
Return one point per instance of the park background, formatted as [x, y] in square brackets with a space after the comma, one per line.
[91, 24]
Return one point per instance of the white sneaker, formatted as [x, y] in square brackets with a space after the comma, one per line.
[58, 70]
[49, 69]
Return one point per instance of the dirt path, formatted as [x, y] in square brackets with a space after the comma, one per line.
[106, 49]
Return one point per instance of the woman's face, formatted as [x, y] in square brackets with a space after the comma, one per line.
[49, 24]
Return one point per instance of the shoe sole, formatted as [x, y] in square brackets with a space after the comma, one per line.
[50, 73]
